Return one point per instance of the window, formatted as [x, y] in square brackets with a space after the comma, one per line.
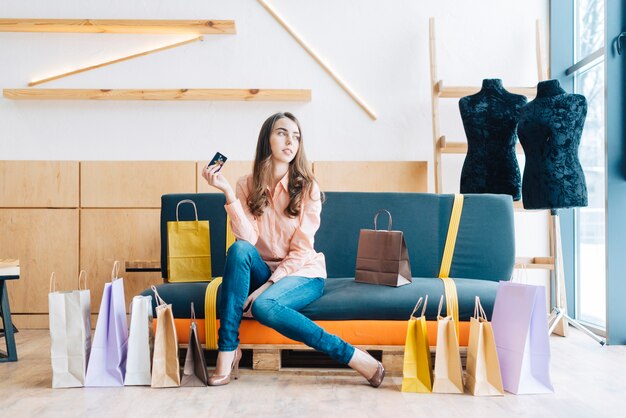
[590, 221]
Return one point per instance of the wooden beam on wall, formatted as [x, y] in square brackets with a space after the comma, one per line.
[204, 27]
[319, 60]
[286, 95]
[103, 64]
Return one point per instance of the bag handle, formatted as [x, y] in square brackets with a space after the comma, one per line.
[417, 305]
[157, 297]
[440, 306]
[376, 218]
[82, 274]
[479, 312]
[193, 313]
[195, 209]
[53, 283]
[116, 270]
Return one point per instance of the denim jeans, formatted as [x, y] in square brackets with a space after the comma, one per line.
[277, 307]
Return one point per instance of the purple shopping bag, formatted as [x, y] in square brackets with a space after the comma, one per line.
[520, 329]
[107, 362]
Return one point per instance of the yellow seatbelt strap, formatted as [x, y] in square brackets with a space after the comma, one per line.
[210, 298]
[210, 313]
[452, 300]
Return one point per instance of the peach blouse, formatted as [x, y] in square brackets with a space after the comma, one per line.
[284, 243]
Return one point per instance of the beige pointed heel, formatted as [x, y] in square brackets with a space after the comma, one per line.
[221, 380]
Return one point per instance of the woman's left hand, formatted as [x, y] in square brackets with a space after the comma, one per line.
[247, 306]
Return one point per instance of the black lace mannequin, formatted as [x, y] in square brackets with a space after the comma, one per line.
[489, 118]
[549, 129]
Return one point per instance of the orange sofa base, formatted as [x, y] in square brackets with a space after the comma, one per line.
[353, 332]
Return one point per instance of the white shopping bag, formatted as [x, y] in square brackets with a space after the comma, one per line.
[520, 329]
[70, 334]
[140, 340]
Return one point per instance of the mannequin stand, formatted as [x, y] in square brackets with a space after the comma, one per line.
[558, 316]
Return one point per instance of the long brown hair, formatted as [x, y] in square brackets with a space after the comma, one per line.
[301, 178]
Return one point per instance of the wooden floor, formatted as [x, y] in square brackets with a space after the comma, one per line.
[590, 381]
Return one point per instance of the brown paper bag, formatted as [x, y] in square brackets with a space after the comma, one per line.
[165, 365]
[382, 256]
[194, 370]
[448, 375]
[483, 376]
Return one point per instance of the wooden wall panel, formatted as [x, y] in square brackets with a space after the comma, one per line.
[371, 176]
[134, 184]
[107, 235]
[39, 184]
[232, 170]
[44, 240]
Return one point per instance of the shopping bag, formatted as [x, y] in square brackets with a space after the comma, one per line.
[194, 369]
[140, 340]
[165, 365]
[107, 362]
[382, 256]
[188, 249]
[482, 376]
[70, 333]
[417, 374]
[520, 328]
[448, 375]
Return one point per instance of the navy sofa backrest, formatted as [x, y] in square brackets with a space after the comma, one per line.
[485, 246]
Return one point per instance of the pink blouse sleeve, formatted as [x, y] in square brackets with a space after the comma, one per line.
[301, 246]
[242, 221]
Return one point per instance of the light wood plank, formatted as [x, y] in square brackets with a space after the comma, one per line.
[232, 170]
[44, 240]
[319, 60]
[40, 184]
[207, 27]
[134, 184]
[371, 176]
[543, 263]
[456, 92]
[246, 95]
[461, 147]
[104, 64]
[107, 235]
[435, 85]
[266, 360]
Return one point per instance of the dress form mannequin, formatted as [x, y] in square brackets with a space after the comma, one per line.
[549, 130]
[489, 118]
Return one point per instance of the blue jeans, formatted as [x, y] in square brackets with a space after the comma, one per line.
[277, 307]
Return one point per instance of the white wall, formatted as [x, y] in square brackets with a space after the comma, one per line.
[379, 48]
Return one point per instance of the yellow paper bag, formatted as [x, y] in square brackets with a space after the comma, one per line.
[417, 369]
[448, 374]
[483, 376]
[188, 249]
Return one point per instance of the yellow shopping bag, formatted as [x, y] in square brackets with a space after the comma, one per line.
[417, 375]
[188, 249]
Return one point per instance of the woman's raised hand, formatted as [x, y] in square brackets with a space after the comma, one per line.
[216, 179]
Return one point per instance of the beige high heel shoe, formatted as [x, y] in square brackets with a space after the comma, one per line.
[221, 380]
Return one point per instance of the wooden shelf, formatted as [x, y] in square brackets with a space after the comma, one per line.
[456, 92]
[545, 263]
[207, 27]
[461, 147]
[143, 266]
[160, 94]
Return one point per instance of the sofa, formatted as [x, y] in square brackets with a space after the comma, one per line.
[365, 314]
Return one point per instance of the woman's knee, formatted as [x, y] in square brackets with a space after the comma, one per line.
[263, 310]
[240, 249]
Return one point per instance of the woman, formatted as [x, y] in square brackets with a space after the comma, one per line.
[272, 270]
